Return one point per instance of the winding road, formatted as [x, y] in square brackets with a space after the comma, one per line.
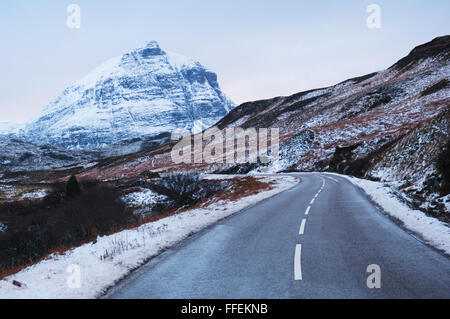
[319, 239]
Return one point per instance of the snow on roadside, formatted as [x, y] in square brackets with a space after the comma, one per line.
[104, 262]
[432, 230]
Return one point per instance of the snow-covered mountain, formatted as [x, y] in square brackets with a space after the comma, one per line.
[143, 93]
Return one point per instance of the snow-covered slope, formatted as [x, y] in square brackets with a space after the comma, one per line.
[144, 92]
[389, 125]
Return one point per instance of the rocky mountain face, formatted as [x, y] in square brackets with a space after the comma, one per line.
[141, 94]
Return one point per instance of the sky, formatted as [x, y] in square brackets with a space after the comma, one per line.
[258, 48]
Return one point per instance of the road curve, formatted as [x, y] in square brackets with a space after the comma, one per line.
[280, 248]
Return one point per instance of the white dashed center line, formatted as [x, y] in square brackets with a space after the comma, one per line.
[302, 227]
[307, 210]
[298, 247]
[297, 262]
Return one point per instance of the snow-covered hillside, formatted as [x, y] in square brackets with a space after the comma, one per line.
[143, 93]
[389, 125]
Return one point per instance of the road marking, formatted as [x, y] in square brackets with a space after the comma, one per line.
[298, 247]
[302, 227]
[297, 262]
[307, 210]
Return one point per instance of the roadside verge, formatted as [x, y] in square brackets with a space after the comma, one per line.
[86, 271]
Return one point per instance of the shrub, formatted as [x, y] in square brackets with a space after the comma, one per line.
[186, 189]
[72, 187]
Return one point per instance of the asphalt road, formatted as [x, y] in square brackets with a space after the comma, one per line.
[281, 249]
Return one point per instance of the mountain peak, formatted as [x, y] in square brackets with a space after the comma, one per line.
[151, 49]
[152, 44]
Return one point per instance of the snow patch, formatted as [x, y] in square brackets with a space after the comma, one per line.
[40, 193]
[142, 198]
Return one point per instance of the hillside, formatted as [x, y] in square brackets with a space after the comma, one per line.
[389, 125]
